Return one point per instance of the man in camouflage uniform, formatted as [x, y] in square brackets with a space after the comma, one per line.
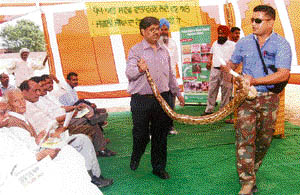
[256, 118]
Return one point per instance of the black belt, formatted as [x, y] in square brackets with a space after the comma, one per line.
[217, 68]
[149, 95]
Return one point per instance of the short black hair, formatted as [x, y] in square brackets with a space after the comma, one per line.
[44, 77]
[36, 79]
[268, 10]
[71, 74]
[148, 21]
[234, 29]
[24, 85]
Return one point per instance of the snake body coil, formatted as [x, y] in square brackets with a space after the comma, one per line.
[242, 94]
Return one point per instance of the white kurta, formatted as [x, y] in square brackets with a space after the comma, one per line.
[173, 52]
[65, 174]
[23, 70]
[40, 117]
[53, 108]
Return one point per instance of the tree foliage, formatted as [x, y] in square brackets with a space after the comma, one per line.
[24, 33]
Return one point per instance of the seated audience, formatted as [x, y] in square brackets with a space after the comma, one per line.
[32, 92]
[51, 171]
[17, 108]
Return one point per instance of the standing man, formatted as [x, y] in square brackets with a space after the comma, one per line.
[256, 118]
[23, 68]
[147, 115]
[235, 37]
[170, 45]
[235, 34]
[222, 48]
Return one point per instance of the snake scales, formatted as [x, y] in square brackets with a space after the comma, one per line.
[244, 92]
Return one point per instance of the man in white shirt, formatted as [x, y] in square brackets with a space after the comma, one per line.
[81, 143]
[56, 111]
[24, 68]
[63, 173]
[170, 45]
[221, 49]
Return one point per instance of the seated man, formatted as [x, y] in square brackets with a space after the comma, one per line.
[63, 173]
[17, 107]
[4, 79]
[33, 93]
[68, 97]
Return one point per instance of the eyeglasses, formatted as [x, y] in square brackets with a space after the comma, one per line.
[258, 20]
[152, 30]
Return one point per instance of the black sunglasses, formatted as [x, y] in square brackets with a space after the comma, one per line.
[258, 20]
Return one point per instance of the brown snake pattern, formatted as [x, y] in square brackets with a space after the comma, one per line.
[242, 94]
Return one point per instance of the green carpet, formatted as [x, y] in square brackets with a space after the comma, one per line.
[201, 160]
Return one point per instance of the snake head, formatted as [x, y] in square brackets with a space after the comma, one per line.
[239, 82]
[249, 90]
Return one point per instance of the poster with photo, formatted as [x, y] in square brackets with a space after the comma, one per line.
[195, 49]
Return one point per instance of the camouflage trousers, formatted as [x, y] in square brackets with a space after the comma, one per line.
[254, 130]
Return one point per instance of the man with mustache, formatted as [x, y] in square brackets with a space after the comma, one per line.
[170, 45]
[147, 115]
[222, 48]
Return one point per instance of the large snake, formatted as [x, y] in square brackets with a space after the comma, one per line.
[243, 92]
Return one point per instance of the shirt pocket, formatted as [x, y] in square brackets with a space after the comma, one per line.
[250, 59]
[269, 58]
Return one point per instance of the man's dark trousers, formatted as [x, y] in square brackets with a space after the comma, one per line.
[149, 119]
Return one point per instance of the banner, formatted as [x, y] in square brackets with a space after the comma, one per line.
[195, 51]
[107, 18]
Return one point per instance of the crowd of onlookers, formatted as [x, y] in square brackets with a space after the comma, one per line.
[50, 137]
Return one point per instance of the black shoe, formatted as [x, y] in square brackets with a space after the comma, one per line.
[161, 174]
[101, 182]
[206, 113]
[105, 153]
[134, 164]
[254, 189]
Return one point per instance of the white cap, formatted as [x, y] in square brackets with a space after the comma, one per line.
[24, 50]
